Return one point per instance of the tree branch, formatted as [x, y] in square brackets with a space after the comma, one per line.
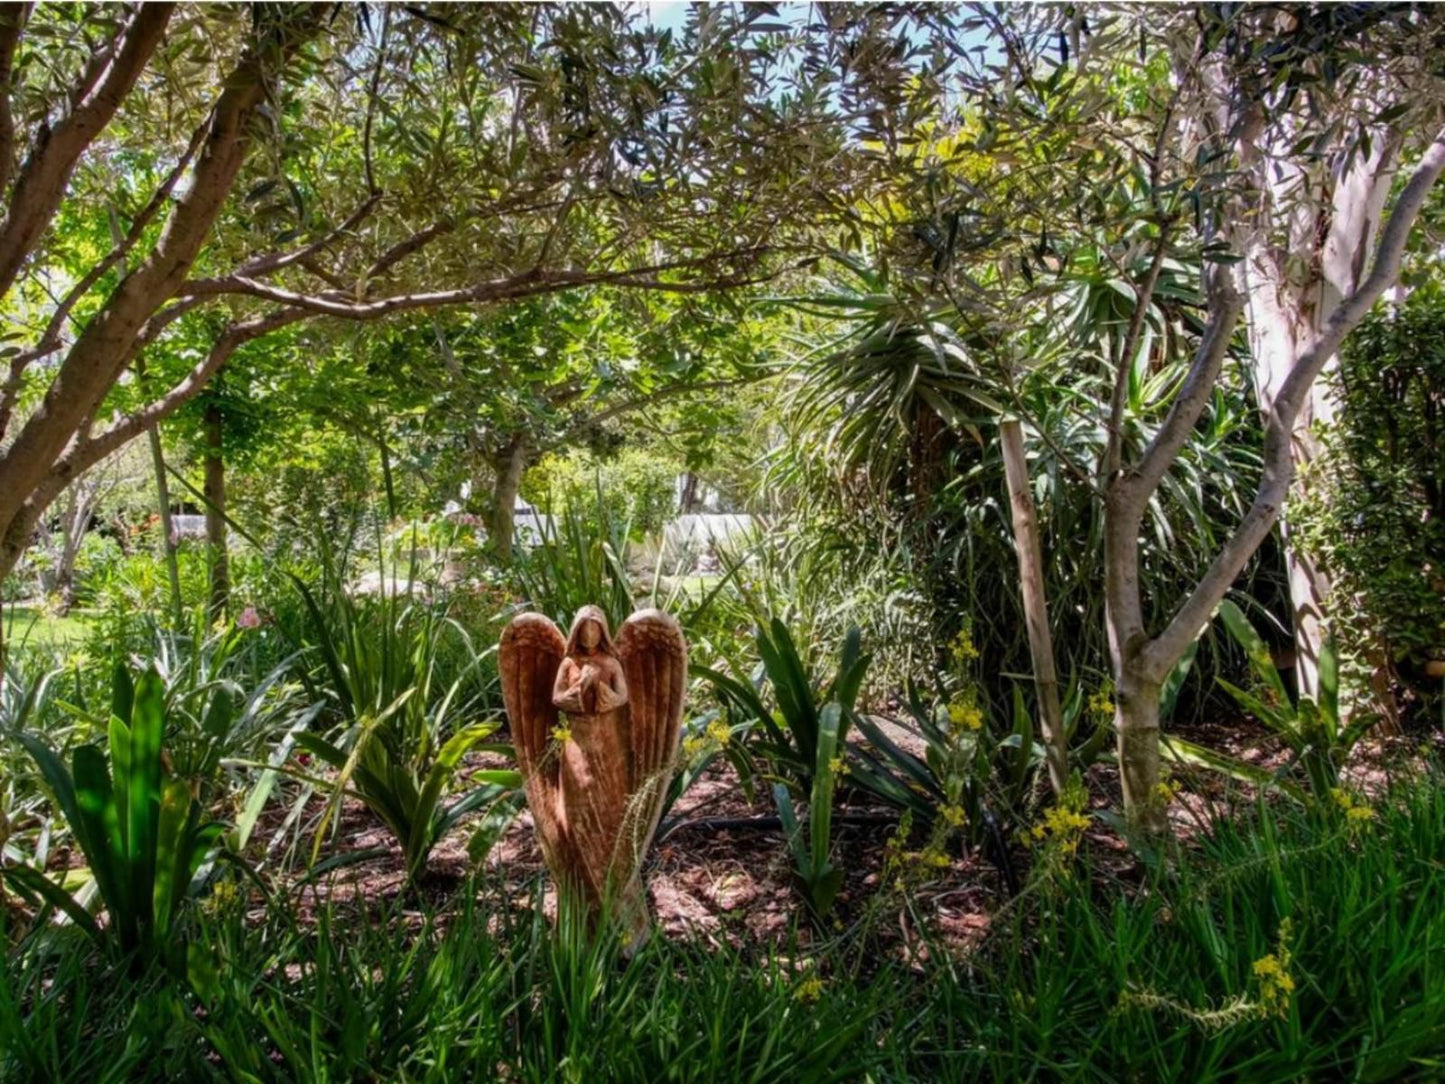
[523, 284]
[276, 261]
[1127, 494]
[12, 23]
[1114, 448]
[108, 343]
[51, 340]
[1278, 474]
[1225, 305]
[46, 172]
[83, 453]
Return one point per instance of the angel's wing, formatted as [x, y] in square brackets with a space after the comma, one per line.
[531, 651]
[654, 660]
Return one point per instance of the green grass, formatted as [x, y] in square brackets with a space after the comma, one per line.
[1083, 979]
[33, 625]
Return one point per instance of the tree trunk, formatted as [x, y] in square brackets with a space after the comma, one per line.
[1136, 722]
[215, 492]
[386, 472]
[168, 537]
[1276, 337]
[508, 467]
[687, 501]
[1036, 610]
[1288, 309]
[74, 519]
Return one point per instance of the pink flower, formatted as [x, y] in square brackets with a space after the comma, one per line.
[249, 619]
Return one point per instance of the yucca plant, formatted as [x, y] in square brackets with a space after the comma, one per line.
[1319, 739]
[789, 738]
[399, 746]
[964, 767]
[579, 561]
[142, 831]
[820, 879]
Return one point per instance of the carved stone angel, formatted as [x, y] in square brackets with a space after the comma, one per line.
[595, 783]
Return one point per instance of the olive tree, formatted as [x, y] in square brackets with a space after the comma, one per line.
[279, 164]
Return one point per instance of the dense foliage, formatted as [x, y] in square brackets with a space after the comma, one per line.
[944, 370]
[1376, 517]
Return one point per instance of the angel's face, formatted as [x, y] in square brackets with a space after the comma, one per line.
[589, 635]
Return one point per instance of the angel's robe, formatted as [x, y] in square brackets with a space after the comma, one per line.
[596, 766]
[596, 781]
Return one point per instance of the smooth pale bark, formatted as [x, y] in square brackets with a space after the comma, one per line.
[1036, 611]
[215, 492]
[75, 518]
[168, 538]
[1143, 661]
[508, 467]
[1290, 300]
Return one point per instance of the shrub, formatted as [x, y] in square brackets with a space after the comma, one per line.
[1375, 516]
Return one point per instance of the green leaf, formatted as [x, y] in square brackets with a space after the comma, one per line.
[1254, 647]
[100, 825]
[1330, 687]
[24, 877]
[144, 787]
[172, 860]
[424, 816]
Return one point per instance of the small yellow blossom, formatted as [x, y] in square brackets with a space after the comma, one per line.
[809, 990]
[964, 715]
[963, 648]
[1063, 825]
[1355, 812]
[838, 766]
[561, 734]
[1165, 793]
[937, 859]
[1101, 704]
[955, 816]
[1275, 984]
[224, 895]
[715, 735]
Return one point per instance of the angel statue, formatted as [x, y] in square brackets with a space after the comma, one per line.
[596, 782]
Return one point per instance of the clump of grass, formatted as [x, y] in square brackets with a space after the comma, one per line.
[1292, 944]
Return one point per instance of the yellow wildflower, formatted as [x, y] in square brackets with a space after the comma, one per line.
[1275, 984]
[963, 648]
[838, 766]
[964, 715]
[1102, 702]
[561, 734]
[224, 895]
[955, 816]
[1063, 825]
[718, 732]
[1355, 812]
[691, 747]
[810, 989]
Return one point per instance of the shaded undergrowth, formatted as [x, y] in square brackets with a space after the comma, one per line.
[1286, 945]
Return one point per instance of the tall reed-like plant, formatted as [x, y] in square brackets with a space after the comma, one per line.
[142, 831]
[401, 735]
